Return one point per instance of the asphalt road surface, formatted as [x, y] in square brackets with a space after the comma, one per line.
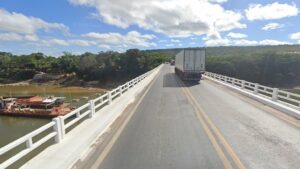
[180, 125]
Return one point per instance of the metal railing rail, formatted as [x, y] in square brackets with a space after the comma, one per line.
[274, 94]
[59, 125]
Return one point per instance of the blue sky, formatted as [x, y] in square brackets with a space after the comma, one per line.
[77, 26]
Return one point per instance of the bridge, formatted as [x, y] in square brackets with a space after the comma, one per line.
[158, 121]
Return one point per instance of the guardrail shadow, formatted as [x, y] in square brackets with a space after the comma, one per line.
[171, 80]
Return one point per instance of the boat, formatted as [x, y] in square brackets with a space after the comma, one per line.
[34, 106]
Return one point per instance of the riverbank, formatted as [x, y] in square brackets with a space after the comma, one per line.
[67, 80]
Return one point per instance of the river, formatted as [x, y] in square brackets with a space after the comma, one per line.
[12, 128]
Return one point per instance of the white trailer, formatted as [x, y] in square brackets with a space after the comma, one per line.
[190, 64]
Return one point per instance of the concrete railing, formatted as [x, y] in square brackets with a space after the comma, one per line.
[60, 125]
[274, 94]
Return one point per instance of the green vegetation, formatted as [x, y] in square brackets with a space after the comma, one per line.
[271, 69]
[103, 66]
[277, 66]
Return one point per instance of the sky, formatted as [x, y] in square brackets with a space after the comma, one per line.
[78, 26]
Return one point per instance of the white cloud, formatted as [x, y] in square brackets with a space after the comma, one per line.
[236, 35]
[79, 42]
[218, 1]
[271, 11]
[215, 39]
[10, 37]
[55, 42]
[272, 42]
[192, 43]
[104, 46]
[272, 26]
[62, 42]
[178, 18]
[162, 41]
[132, 38]
[31, 37]
[175, 40]
[213, 35]
[18, 23]
[217, 42]
[169, 45]
[295, 36]
[17, 37]
[244, 42]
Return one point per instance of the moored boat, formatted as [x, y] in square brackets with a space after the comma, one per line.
[34, 106]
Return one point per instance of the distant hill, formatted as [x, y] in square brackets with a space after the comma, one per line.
[233, 50]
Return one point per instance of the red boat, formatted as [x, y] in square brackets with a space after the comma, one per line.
[34, 106]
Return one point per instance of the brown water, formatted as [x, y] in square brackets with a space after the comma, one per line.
[12, 128]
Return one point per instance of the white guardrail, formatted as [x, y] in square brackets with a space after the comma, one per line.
[274, 94]
[60, 125]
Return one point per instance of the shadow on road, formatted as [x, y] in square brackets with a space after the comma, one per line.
[169, 80]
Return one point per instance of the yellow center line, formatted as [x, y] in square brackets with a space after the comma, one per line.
[221, 138]
[210, 135]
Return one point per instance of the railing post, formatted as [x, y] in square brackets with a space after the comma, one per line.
[256, 88]
[109, 97]
[58, 129]
[275, 94]
[243, 84]
[62, 127]
[120, 90]
[92, 108]
[29, 143]
[226, 79]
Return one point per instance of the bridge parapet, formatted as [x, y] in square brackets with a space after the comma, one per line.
[291, 100]
[59, 127]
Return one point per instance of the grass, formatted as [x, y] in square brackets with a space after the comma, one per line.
[294, 91]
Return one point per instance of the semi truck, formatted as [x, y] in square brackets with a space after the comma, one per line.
[190, 64]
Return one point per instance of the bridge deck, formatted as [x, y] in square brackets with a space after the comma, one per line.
[200, 126]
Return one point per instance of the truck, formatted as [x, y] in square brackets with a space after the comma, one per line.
[172, 62]
[190, 64]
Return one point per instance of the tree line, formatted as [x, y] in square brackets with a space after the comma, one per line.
[277, 66]
[102, 66]
[271, 69]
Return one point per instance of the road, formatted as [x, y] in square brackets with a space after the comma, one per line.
[187, 126]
